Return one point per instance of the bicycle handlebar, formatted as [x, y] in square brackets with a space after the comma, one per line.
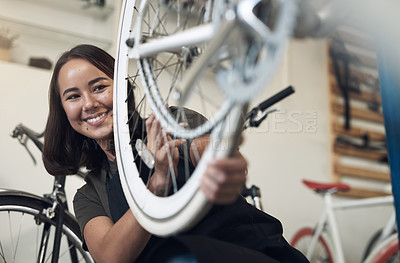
[22, 133]
[276, 98]
[259, 113]
[22, 130]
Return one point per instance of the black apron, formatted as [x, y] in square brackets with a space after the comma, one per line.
[228, 233]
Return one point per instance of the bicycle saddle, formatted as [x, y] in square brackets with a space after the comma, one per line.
[325, 187]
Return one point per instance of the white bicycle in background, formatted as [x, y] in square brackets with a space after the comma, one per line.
[210, 56]
[322, 242]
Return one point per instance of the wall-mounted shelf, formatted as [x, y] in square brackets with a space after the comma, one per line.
[358, 149]
[79, 6]
[47, 28]
[48, 32]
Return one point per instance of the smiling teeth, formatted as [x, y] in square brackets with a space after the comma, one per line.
[97, 118]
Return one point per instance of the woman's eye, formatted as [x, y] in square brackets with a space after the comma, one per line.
[72, 97]
[100, 87]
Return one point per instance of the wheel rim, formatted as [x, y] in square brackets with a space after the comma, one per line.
[302, 241]
[387, 251]
[22, 229]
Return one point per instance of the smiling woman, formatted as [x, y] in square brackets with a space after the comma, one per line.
[65, 153]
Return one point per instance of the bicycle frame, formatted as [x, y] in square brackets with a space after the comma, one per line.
[328, 218]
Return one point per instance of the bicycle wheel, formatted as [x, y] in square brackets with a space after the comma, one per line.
[161, 42]
[373, 242]
[27, 233]
[322, 252]
[386, 252]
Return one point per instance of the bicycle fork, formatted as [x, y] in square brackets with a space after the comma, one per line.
[58, 208]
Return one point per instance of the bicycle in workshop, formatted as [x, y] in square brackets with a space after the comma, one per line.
[210, 56]
[322, 243]
[38, 227]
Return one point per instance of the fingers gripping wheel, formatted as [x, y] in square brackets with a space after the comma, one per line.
[179, 53]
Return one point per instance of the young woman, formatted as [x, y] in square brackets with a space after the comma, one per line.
[79, 132]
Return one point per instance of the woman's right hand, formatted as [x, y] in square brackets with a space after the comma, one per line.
[224, 179]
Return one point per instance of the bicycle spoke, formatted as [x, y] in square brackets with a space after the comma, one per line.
[171, 173]
[44, 242]
[37, 240]
[11, 237]
[71, 251]
[19, 236]
[2, 255]
[61, 254]
[48, 257]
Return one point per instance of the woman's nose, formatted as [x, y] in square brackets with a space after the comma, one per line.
[89, 102]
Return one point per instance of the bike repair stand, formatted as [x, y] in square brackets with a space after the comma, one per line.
[389, 75]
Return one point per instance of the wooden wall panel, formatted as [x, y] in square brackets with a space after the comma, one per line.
[359, 155]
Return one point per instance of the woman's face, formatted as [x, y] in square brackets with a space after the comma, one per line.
[87, 98]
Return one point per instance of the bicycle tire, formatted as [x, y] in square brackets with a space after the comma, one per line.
[373, 242]
[322, 252]
[175, 213]
[386, 252]
[22, 218]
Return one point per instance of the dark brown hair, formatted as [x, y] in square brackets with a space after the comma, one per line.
[66, 150]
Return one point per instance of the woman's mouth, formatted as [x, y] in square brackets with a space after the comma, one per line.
[96, 119]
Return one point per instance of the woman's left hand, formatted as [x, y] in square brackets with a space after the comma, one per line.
[224, 179]
[164, 149]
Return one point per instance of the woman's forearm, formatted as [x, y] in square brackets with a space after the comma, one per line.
[119, 242]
